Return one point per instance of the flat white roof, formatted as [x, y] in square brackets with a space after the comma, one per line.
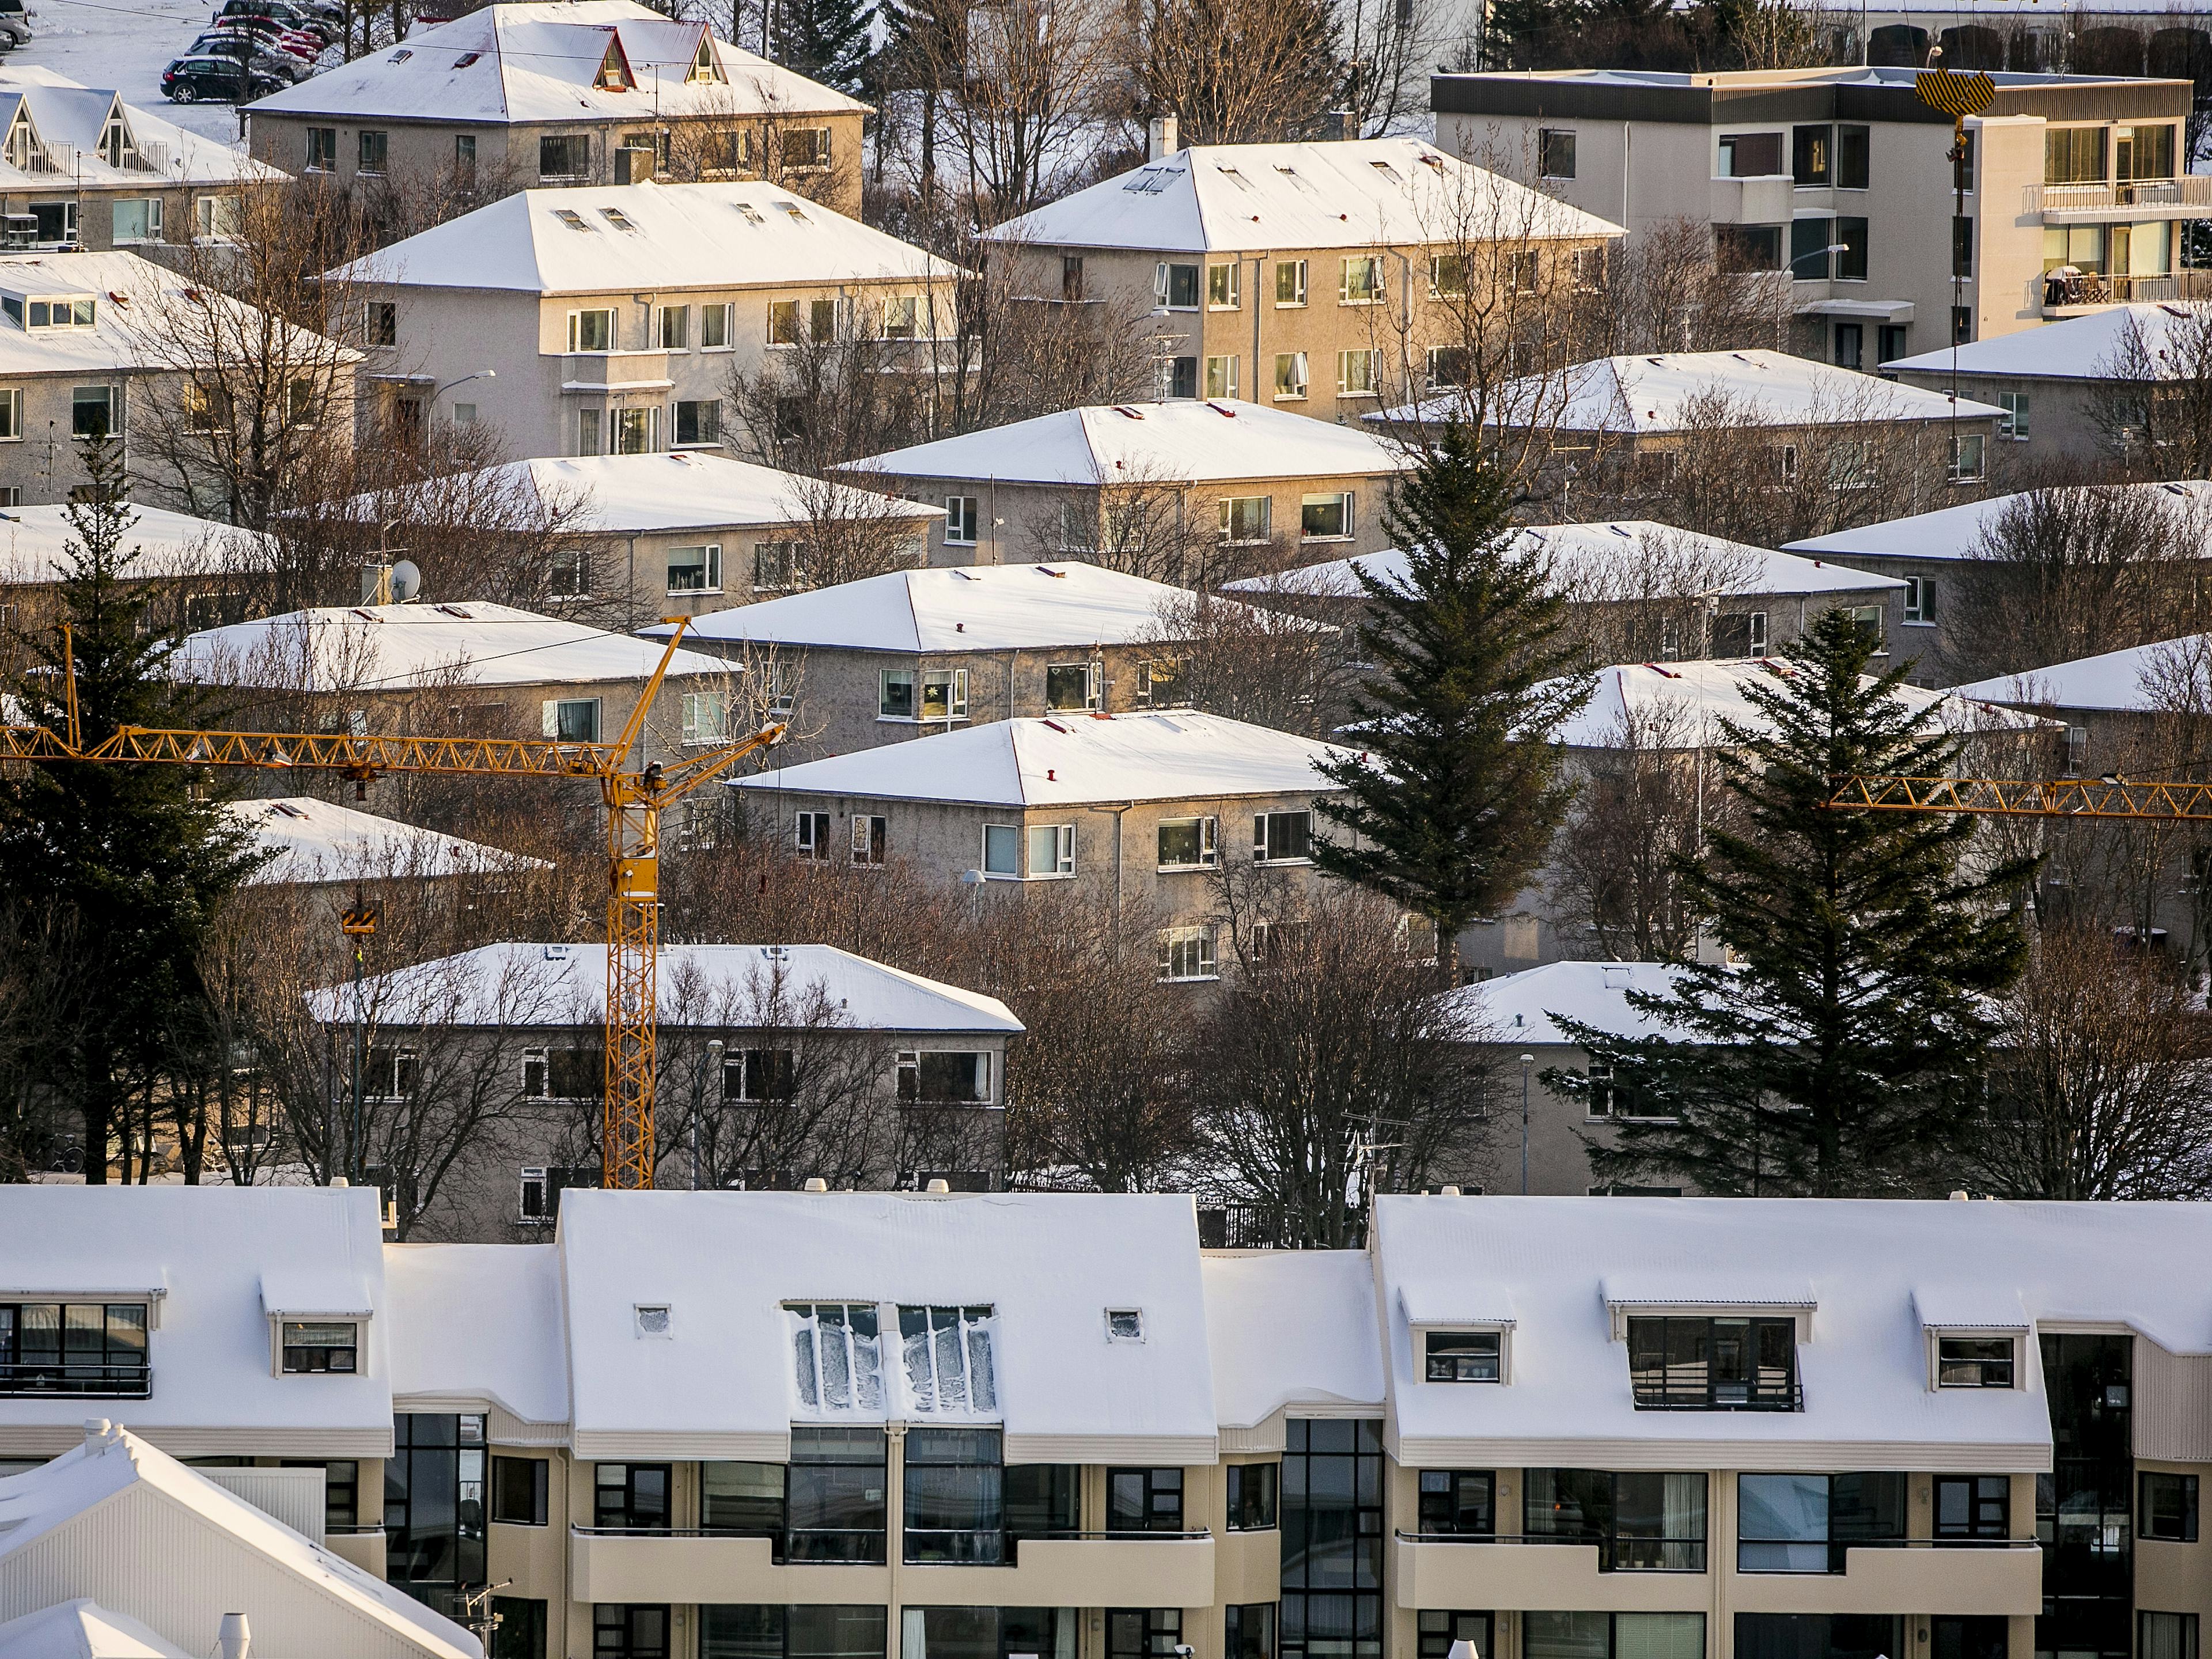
[1955, 533]
[616, 239]
[1068, 759]
[1154, 443]
[1292, 1330]
[2084, 348]
[475, 1326]
[1521, 1007]
[2115, 682]
[1367, 192]
[35, 544]
[320, 841]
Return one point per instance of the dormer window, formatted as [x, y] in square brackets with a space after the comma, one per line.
[1464, 1356]
[83, 1349]
[704, 66]
[1714, 1365]
[49, 313]
[1974, 1362]
[949, 1366]
[319, 1345]
[614, 70]
[836, 1356]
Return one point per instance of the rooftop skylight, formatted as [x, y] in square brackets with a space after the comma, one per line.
[573, 219]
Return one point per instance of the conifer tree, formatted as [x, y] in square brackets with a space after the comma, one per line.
[1842, 1051]
[1457, 795]
[827, 41]
[139, 861]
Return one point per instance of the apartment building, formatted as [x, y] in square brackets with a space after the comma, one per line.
[1315, 277]
[188, 572]
[698, 1425]
[916, 652]
[1186, 489]
[1833, 176]
[611, 320]
[516, 95]
[320, 843]
[1127, 806]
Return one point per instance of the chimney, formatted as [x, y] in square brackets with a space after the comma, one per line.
[233, 1639]
[99, 1434]
[1161, 140]
[1338, 125]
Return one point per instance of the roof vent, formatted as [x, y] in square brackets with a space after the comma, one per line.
[557, 953]
[284, 809]
[1447, 1191]
[400, 55]
[1133, 414]
[815, 1184]
[652, 1319]
[1958, 1197]
[1050, 571]
[776, 952]
[938, 1184]
[1221, 409]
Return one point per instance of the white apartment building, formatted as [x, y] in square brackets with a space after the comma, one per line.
[1836, 176]
[698, 1426]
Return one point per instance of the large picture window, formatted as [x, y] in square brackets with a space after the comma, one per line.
[434, 1501]
[1333, 1534]
[88, 1349]
[1641, 1521]
[1714, 1365]
[737, 1631]
[1807, 1523]
[1613, 1636]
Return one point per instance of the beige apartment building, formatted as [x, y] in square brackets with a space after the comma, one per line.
[612, 319]
[527, 94]
[2076, 187]
[1320, 278]
[946, 1427]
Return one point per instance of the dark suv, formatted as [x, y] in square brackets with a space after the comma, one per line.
[206, 77]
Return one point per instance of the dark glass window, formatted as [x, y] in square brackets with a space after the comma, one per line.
[2160, 1636]
[1249, 1630]
[1817, 1635]
[1852, 147]
[1811, 154]
[1332, 1525]
[2168, 1508]
[341, 1489]
[1143, 1500]
[1740, 248]
[1714, 1365]
[89, 1349]
[1613, 1636]
[520, 1633]
[517, 1491]
[1143, 1632]
[1459, 1503]
[2083, 1506]
[318, 1347]
[631, 1496]
[1851, 263]
[433, 1504]
[1973, 1362]
[1973, 1506]
[1041, 1499]
[628, 1630]
[1179, 287]
[812, 1632]
[954, 1499]
[1807, 1523]
[1437, 1629]
[1641, 1521]
[742, 1500]
[1751, 154]
[1463, 1356]
[986, 1632]
[1252, 1494]
[1969, 1639]
[834, 1496]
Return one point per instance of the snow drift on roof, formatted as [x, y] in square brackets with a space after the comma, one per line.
[1290, 1328]
[477, 1324]
[1526, 1006]
[34, 542]
[83, 1629]
[320, 841]
[1953, 532]
[2117, 681]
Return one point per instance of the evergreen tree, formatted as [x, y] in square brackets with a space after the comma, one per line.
[1460, 791]
[137, 858]
[827, 41]
[1843, 1052]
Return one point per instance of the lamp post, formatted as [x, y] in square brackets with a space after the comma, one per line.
[481, 374]
[1527, 1060]
[714, 1047]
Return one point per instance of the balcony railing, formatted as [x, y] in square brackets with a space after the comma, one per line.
[2192, 189]
[82, 1379]
[1615, 1555]
[2094, 289]
[1838, 1557]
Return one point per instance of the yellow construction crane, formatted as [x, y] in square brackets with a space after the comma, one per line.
[634, 800]
[2107, 797]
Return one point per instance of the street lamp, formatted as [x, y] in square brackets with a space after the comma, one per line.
[714, 1047]
[1527, 1060]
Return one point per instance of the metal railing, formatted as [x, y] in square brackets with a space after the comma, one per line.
[2094, 288]
[1615, 1553]
[87, 1379]
[2191, 190]
[1769, 1397]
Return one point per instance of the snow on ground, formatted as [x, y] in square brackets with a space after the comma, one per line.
[101, 43]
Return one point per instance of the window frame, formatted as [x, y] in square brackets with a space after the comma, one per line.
[534, 1511]
[1718, 1395]
[1267, 1479]
[1920, 601]
[307, 1350]
[1229, 510]
[1344, 501]
[709, 567]
[1225, 285]
[2186, 1529]
[1497, 1343]
[1062, 859]
[134, 1379]
[1372, 291]
[1446, 1485]
[1835, 1544]
[1263, 827]
[1203, 966]
[576, 331]
[1208, 826]
[1548, 140]
[960, 521]
[1152, 1483]
[1291, 274]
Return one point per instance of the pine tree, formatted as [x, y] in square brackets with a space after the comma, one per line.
[1842, 1054]
[139, 862]
[827, 41]
[1459, 791]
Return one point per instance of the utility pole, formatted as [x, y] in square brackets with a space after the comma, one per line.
[1527, 1060]
[357, 923]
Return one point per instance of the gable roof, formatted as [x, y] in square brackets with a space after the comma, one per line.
[540, 62]
[1660, 392]
[1070, 760]
[83, 1629]
[1519, 1007]
[320, 841]
[1580, 549]
[391, 647]
[1154, 443]
[1953, 532]
[608, 238]
[991, 607]
[34, 542]
[67, 120]
[2073, 349]
[1366, 192]
[2114, 682]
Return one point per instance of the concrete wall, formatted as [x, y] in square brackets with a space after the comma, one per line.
[97, 205]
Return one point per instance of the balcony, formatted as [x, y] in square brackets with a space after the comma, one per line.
[2186, 197]
[2092, 291]
[603, 372]
[1520, 1573]
[612, 1565]
[1078, 1569]
[362, 1545]
[1766, 200]
[1942, 1576]
[77, 1379]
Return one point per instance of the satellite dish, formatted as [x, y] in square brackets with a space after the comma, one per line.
[406, 581]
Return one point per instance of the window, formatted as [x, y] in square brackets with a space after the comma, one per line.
[947, 1358]
[1182, 378]
[11, 413]
[1966, 457]
[1641, 1521]
[1809, 242]
[822, 321]
[1332, 1596]
[633, 431]
[1853, 146]
[1962, 245]
[706, 719]
[93, 411]
[1358, 372]
[319, 1346]
[217, 218]
[1447, 275]
[675, 328]
[322, 150]
[1143, 1632]
[894, 699]
[1437, 1630]
[1071, 276]
[778, 567]
[955, 1496]
[714, 327]
[1751, 154]
[1359, 280]
[1222, 286]
[1002, 850]
[1458, 1504]
[542, 1187]
[1920, 607]
[1555, 153]
[1810, 156]
[810, 835]
[2073, 156]
[1249, 1630]
[1052, 850]
[1282, 837]
[1973, 1506]
[1447, 366]
[960, 520]
[1143, 1500]
[902, 317]
[1740, 248]
[805, 148]
[2013, 424]
[569, 156]
[1616, 1636]
[571, 720]
[757, 1076]
[950, 1076]
[341, 1489]
[1186, 953]
[138, 220]
[1464, 1356]
[1290, 376]
[2167, 1508]
[374, 147]
[833, 1490]
[1820, 1636]
[783, 322]
[1221, 377]
[871, 839]
[1187, 843]
[1289, 283]
[695, 570]
[1176, 286]
[944, 694]
[517, 1491]
[2166, 1635]
[630, 1496]
[742, 1500]
[1714, 1365]
[836, 1354]
[628, 1630]
[1806, 1522]
[1325, 518]
[1246, 519]
[591, 331]
[465, 153]
[1588, 271]
[1252, 1495]
[1070, 686]
[433, 1500]
[1889, 339]
[1520, 271]
[82, 1348]
[1157, 681]
[1962, 325]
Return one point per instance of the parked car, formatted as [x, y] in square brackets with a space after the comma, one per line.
[306, 47]
[282, 11]
[208, 77]
[253, 53]
[15, 24]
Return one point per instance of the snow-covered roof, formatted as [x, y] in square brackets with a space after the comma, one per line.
[1686, 702]
[720, 1382]
[114, 1464]
[2087, 347]
[83, 1629]
[1156, 444]
[198, 1254]
[670, 489]
[542, 61]
[1366, 192]
[989, 607]
[1868, 1402]
[616, 239]
[1519, 1007]
[1069, 760]
[320, 841]
[1644, 396]
[476, 1327]
[1290, 1328]
[1953, 532]
[65, 123]
[391, 647]
[35, 544]
[1578, 550]
[2115, 682]
[565, 985]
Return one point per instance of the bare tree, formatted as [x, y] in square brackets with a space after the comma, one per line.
[1267, 667]
[1650, 596]
[1235, 71]
[2152, 396]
